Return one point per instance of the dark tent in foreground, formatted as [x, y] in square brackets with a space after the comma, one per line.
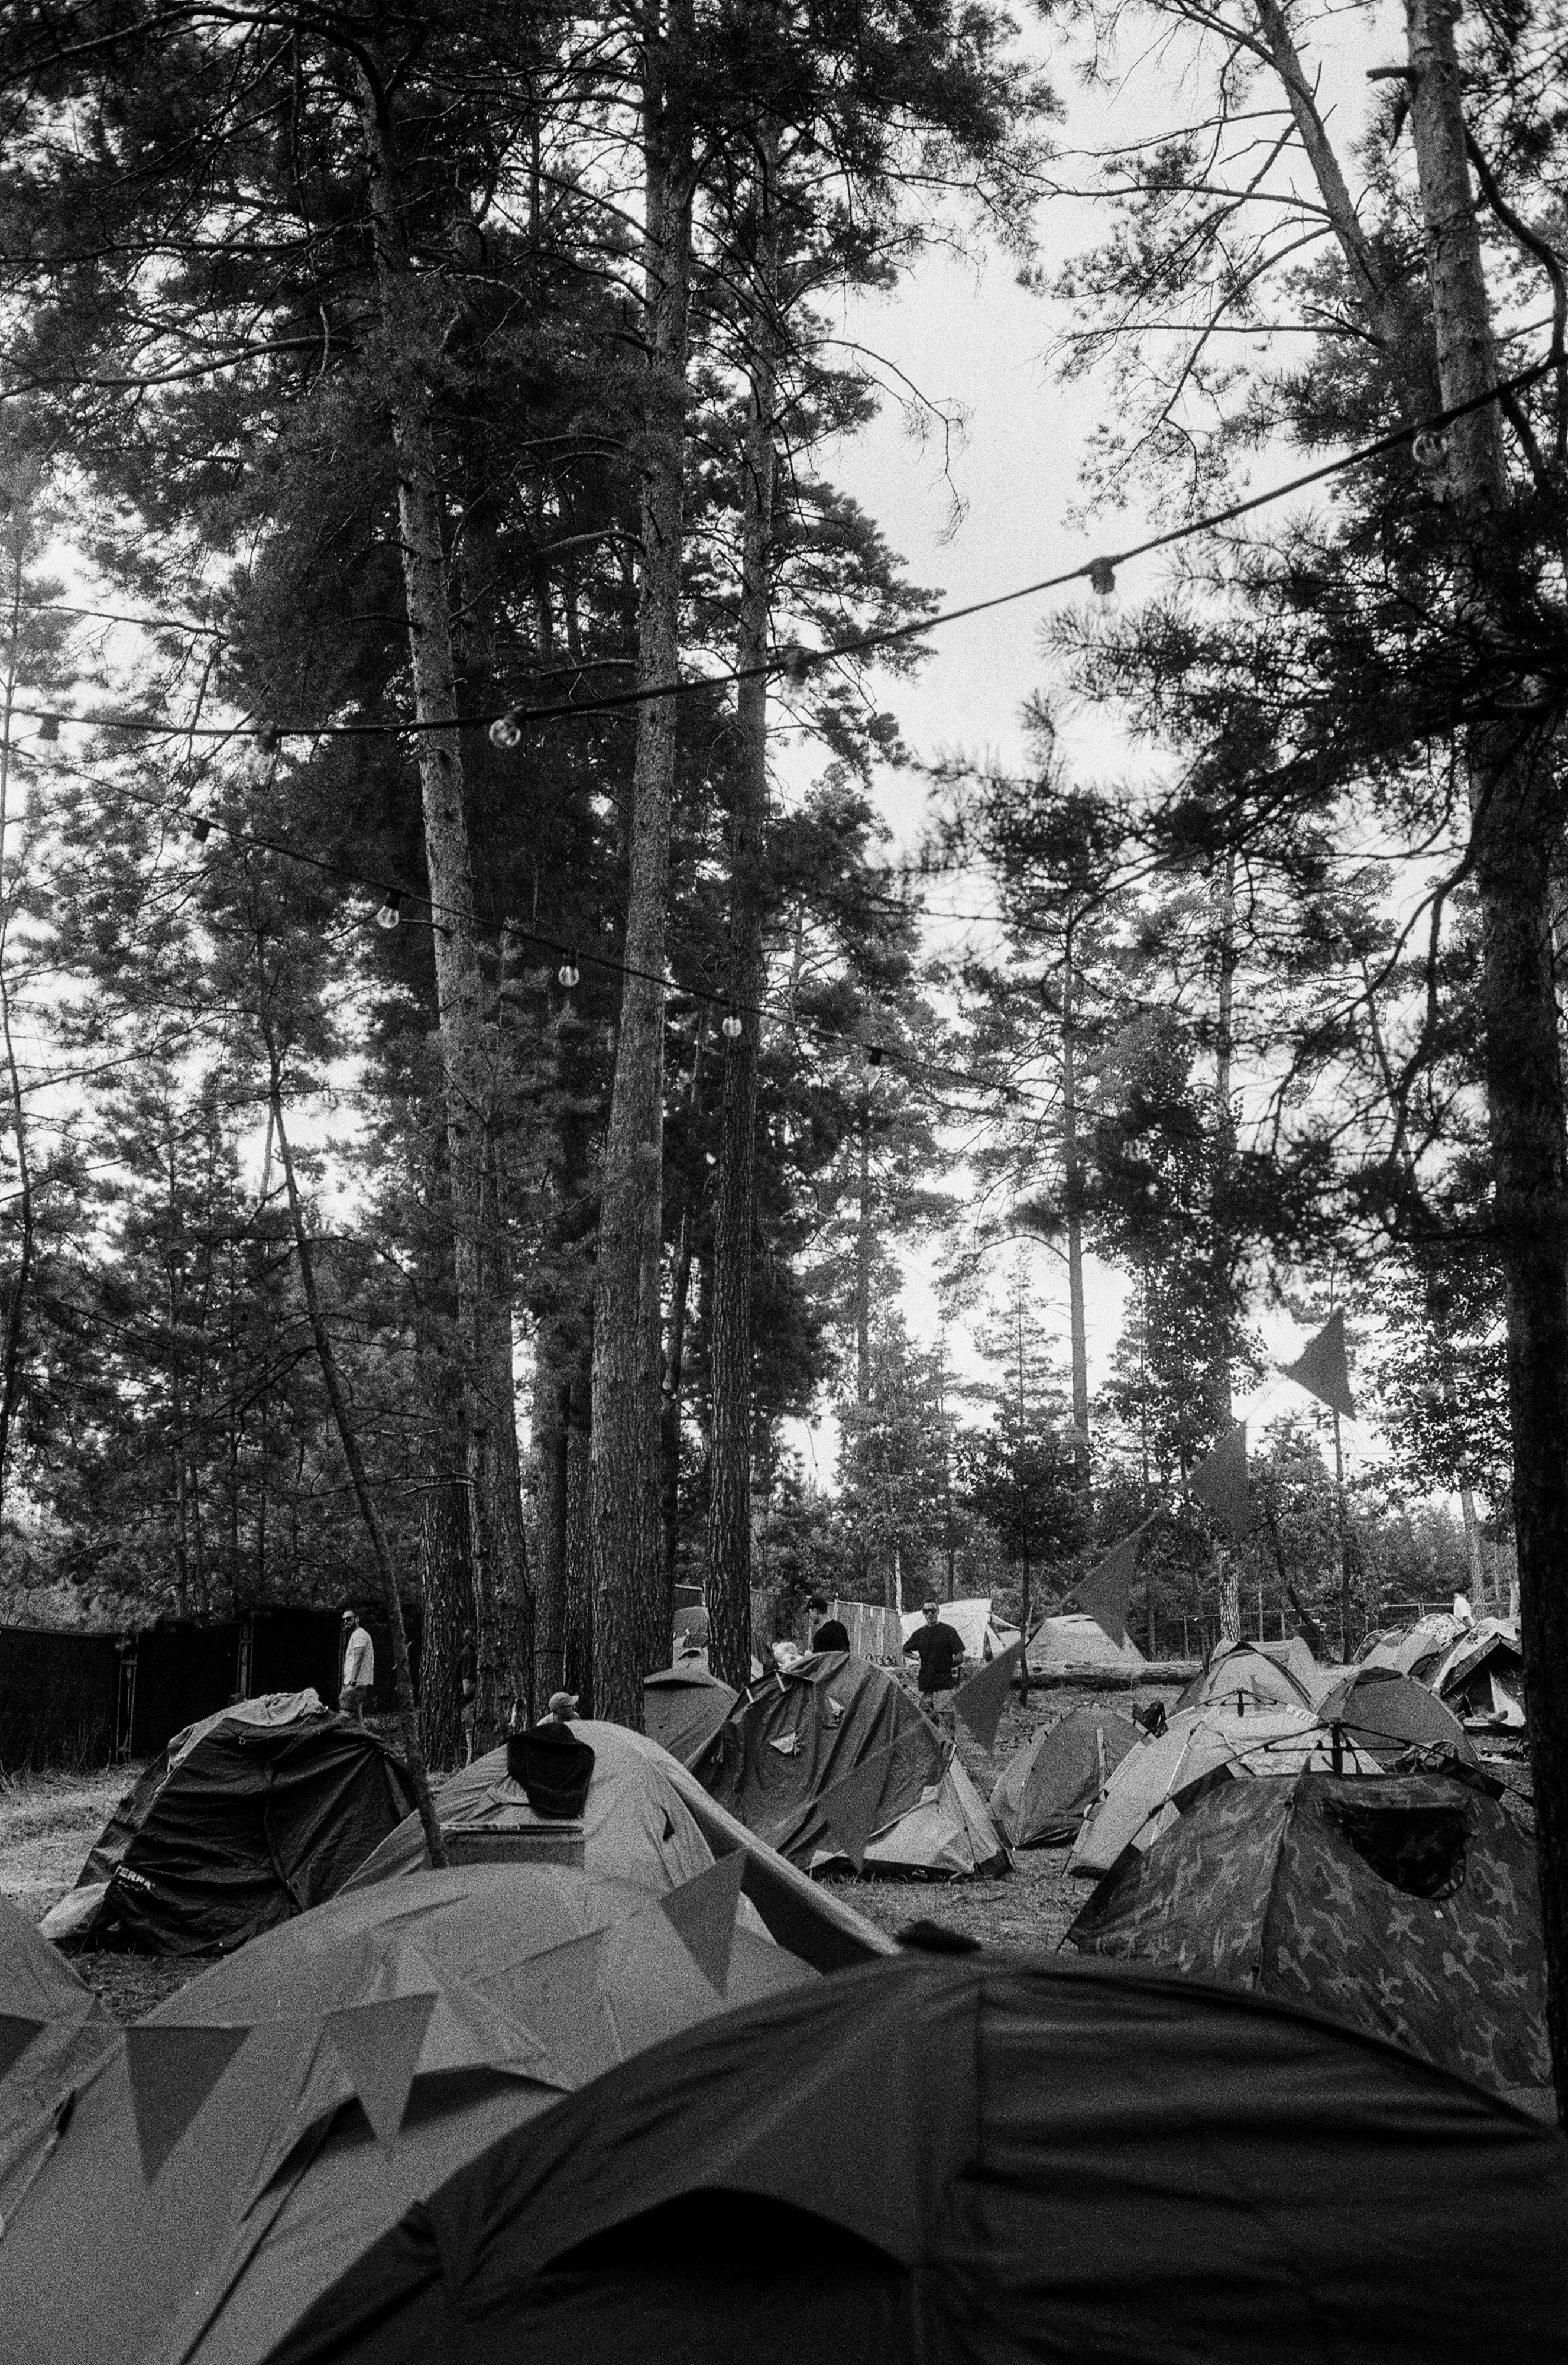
[992, 2159]
[246, 1819]
[683, 1708]
[1403, 1903]
[250, 2140]
[1048, 1784]
[833, 1761]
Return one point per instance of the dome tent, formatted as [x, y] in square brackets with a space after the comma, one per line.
[1357, 1896]
[683, 1708]
[1199, 1747]
[650, 1824]
[245, 1818]
[1389, 1713]
[991, 2157]
[1073, 1640]
[1049, 1784]
[342, 2067]
[1264, 1675]
[832, 1761]
[1481, 1678]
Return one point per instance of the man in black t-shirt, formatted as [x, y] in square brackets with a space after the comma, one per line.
[831, 1634]
[938, 1648]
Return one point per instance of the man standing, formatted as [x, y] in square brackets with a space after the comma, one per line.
[359, 1667]
[938, 1648]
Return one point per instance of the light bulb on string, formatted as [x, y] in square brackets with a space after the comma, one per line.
[49, 726]
[1103, 578]
[568, 971]
[200, 825]
[733, 1025]
[391, 911]
[506, 731]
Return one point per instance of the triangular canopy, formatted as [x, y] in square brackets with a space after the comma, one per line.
[1047, 1786]
[1404, 1904]
[246, 1819]
[988, 2157]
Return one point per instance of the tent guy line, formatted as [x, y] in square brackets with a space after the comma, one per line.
[793, 661]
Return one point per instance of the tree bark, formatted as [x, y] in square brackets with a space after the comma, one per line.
[1072, 1192]
[729, 1511]
[446, 1592]
[577, 1595]
[1515, 822]
[552, 1425]
[1225, 1139]
[500, 1574]
[337, 1396]
[625, 1527]
[674, 1352]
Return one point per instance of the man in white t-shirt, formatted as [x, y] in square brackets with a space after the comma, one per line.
[359, 1667]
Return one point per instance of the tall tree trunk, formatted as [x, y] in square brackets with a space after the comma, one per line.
[729, 1509]
[577, 1592]
[1072, 1183]
[337, 1396]
[1225, 1137]
[625, 1528]
[552, 1425]
[500, 1574]
[446, 1597]
[864, 1244]
[674, 1351]
[1514, 827]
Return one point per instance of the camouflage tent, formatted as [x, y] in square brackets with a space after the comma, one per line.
[1404, 1904]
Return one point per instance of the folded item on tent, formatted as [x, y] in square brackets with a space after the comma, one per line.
[552, 1768]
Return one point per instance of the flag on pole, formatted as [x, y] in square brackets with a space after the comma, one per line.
[981, 1700]
[1322, 1370]
[1219, 1484]
[1105, 1591]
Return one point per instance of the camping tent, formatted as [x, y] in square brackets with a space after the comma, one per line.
[650, 1824]
[683, 1708]
[1262, 1674]
[1401, 1904]
[1199, 1747]
[52, 2029]
[994, 2159]
[1482, 1676]
[257, 2133]
[834, 1753]
[1048, 1784]
[245, 1818]
[1074, 1640]
[982, 1636]
[1389, 1713]
[1412, 1649]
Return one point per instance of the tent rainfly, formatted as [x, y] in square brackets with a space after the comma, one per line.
[1417, 1650]
[1404, 1904]
[683, 1708]
[1199, 1747]
[986, 2157]
[834, 1760]
[1389, 1713]
[1074, 1640]
[247, 1818]
[52, 2029]
[247, 2143]
[1257, 1673]
[1049, 1784]
[1481, 1678]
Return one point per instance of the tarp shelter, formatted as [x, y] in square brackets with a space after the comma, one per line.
[683, 1708]
[1388, 1713]
[650, 1824]
[1200, 1747]
[1047, 1786]
[988, 2158]
[834, 1755]
[1415, 1650]
[52, 2029]
[1482, 1676]
[1401, 1903]
[1074, 1640]
[1262, 1674]
[255, 2135]
[982, 1636]
[247, 1818]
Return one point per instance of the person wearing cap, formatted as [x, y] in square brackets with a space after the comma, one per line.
[359, 1667]
[562, 1707]
[938, 1648]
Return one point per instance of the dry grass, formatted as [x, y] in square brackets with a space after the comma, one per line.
[48, 1822]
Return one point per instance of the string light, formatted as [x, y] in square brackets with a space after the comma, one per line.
[49, 726]
[733, 1025]
[568, 971]
[391, 911]
[795, 662]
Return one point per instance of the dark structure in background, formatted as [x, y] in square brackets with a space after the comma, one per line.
[83, 1700]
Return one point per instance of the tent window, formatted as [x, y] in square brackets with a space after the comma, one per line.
[1418, 1849]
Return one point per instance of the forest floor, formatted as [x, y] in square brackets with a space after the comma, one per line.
[48, 1822]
